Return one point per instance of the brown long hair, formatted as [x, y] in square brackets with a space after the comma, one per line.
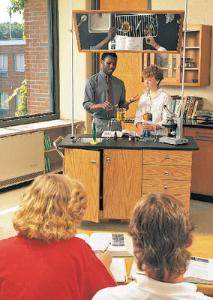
[153, 71]
[161, 232]
[51, 208]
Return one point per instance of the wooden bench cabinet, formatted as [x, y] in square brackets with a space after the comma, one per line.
[116, 174]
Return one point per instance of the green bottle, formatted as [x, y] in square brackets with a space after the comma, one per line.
[94, 132]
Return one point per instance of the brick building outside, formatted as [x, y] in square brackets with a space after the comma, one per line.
[11, 74]
[35, 51]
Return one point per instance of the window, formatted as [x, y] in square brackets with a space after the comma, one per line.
[32, 82]
[19, 62]
[3, 65]
[4, 105]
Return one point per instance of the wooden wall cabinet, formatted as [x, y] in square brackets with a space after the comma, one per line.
[197, 59]
[202, 160]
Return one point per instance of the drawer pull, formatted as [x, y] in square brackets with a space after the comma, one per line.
[166, 173]
[93, 161]
[167, 157]
[165, 187]
[108, 159]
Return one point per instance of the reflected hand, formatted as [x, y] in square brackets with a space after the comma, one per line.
[151, 41]
[111, 33]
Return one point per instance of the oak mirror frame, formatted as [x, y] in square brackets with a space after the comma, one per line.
[123, 31]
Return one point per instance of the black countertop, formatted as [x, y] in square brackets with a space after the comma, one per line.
[124, 143]
[198, 124]
[188, 123]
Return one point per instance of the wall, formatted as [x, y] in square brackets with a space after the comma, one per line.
[79, 70]
[81, 66]
[36, 56]
[199, 12]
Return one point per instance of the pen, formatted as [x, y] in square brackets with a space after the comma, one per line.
[201, 259]
[107, 247]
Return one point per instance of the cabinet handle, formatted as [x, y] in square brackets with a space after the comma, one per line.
[165, 187]
[93, 161]
[167, 157]
[166, 173]
[108, 159]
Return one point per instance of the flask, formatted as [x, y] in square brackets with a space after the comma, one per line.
[94, 132]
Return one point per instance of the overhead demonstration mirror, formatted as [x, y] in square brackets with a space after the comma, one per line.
[144, 31]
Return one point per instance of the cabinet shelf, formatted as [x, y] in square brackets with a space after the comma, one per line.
[194, 47]
[198, 52]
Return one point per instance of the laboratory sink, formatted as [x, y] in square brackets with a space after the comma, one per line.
[88, 140]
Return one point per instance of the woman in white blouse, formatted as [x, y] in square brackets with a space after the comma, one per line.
[154, 104]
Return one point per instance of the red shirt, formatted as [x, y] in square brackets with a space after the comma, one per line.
[63, 270]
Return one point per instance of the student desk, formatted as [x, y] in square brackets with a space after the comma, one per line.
[202, 246]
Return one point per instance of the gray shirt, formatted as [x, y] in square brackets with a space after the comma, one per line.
[96, 92]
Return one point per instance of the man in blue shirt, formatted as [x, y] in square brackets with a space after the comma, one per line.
[105, 93]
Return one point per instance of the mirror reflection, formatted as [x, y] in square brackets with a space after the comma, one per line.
[128, 31]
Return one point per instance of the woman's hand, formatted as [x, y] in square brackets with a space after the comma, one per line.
[147, 126]
[105, 258]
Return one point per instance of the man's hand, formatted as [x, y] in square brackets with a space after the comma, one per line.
[131, 100]
[107, 105]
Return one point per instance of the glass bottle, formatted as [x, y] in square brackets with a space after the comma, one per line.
[94, 133]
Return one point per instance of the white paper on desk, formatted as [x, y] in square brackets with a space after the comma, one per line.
[118, 269]
[99, 241]
[200, 269]
[134, 272]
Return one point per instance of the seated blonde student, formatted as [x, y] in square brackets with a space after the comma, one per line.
[161, 231]
[45, 261]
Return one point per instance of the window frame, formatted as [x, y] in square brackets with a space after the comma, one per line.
[54, 85]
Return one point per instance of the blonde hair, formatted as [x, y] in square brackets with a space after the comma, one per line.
[51, 208]
[161, 230]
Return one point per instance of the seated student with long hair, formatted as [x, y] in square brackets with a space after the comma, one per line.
[45, 261]
[161, 231]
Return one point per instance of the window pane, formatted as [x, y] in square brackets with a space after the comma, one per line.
[24, 59]
[19, 62]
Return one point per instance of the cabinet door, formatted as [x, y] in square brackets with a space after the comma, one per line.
[122, 182]
[169, 63]
[202, 161]
[84, 165]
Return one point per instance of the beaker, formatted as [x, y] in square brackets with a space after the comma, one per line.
[121, 114]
